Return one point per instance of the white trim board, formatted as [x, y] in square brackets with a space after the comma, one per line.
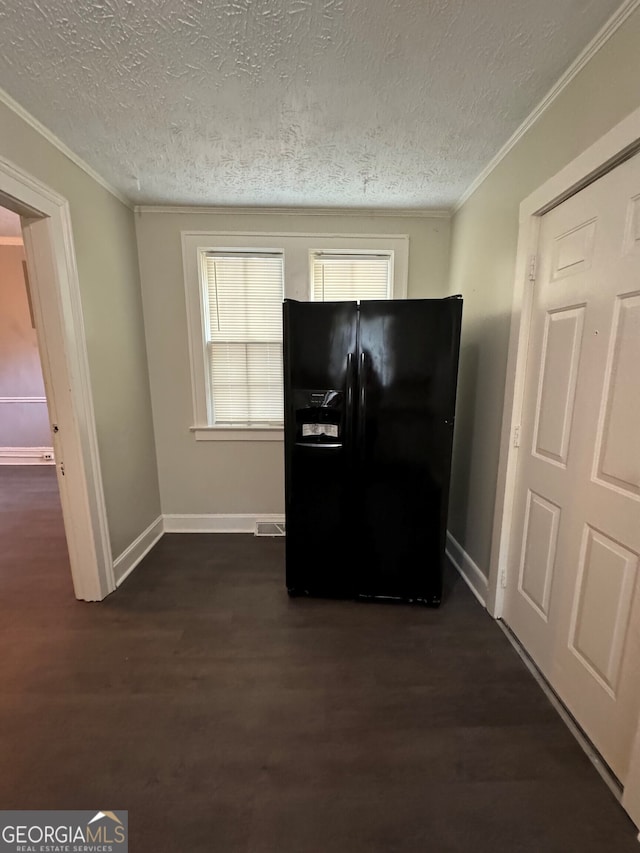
[599, 40]
[403, 212]
[23, 399]
[33, 122]
[139, 548]
[594, 756]
[218, 523]
[26, 456]
[319, 236]
[219, 433]
[470, 571]
[210, 523]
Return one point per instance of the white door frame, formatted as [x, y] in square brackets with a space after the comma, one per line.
[55, 292]
[620, 142]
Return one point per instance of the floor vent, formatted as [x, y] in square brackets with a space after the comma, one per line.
[269, 528]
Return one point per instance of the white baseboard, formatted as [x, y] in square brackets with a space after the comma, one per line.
[139, 548]
[596, 759]
[475, 579]
[239, 523]
[26, 456]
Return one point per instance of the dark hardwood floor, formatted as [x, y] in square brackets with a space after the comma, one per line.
[227, 718]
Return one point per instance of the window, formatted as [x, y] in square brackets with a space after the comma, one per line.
[235, 285]
[344, 277]
[243, 324]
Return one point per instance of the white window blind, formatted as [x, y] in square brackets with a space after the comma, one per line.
[243, 296]
[338, 278]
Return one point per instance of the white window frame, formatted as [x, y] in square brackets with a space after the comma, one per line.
[297, 250]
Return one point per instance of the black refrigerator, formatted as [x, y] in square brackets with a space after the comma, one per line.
[369, 402]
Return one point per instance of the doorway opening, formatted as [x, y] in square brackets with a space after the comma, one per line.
[54, 289]
[34, 548]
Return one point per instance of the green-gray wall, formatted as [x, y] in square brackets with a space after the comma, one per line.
[483, 250]
[238, 477]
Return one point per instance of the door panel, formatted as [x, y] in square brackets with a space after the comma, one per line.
[604, 593]
[558, 375]
[540, 540]
[619, 440]
[318, 338]
[408, 380]
[573, 595]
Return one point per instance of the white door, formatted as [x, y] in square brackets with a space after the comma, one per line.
[573, 597]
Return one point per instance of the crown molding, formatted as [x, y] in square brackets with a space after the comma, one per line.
[406, 213]
[420, 213]
[599, 40]
[20, 111]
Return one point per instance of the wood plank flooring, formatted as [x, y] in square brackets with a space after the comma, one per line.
[227, 718]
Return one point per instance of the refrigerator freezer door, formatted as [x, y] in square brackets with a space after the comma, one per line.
[408, 357]
[319, 344]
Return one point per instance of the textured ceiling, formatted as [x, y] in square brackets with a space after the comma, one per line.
[340, 103]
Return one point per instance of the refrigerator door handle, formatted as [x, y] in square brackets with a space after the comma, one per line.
[362, 401]
[349, 405]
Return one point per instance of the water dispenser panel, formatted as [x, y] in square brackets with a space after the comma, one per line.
[319, 415]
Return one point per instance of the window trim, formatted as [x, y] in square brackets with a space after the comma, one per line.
[297, 249]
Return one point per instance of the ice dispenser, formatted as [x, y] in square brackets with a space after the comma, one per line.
[319, 416]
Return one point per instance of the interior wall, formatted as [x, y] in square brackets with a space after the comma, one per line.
[106, 254]
[24, 420]
[226, 477]
[483, 250]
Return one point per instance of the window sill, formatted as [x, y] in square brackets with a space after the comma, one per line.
[218, 433]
